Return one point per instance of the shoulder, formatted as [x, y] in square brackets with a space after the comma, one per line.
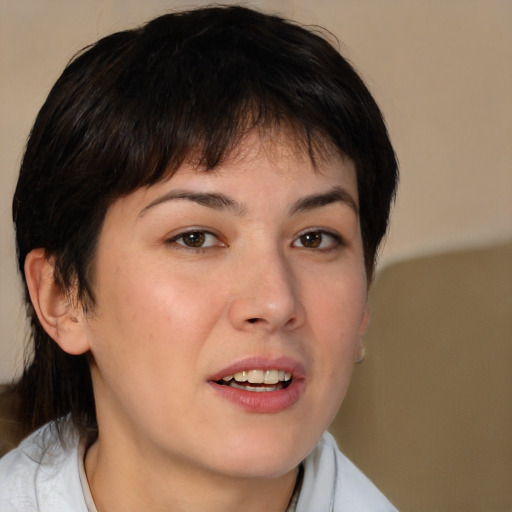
[332, 482]
[41, 474]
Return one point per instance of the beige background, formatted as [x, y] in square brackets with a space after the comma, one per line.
[442, 72]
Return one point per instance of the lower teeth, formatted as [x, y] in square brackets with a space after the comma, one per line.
[258, 388]
[254, 387]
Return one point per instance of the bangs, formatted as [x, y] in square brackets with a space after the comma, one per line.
[173, 99]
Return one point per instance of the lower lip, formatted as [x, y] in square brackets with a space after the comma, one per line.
[264, 401]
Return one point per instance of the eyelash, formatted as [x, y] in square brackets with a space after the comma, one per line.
[201, 248]
[337, 240]
[204, 235]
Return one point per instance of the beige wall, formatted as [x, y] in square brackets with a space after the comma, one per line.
[441, 71]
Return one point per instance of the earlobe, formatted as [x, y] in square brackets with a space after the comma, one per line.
[361, 347]
[59, 316]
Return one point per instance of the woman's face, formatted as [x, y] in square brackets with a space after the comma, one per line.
[254, 267]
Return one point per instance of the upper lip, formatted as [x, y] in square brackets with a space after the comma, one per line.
[262, 363]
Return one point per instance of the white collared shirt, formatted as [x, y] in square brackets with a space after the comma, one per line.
[44, 475]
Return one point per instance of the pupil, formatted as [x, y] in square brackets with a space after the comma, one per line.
[311, 240]
[194, 239]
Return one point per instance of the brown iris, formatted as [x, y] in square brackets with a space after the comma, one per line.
[311, 240]
[194, 239]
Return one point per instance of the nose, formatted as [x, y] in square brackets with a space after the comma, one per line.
[266, 295]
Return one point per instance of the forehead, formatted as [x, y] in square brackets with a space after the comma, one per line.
[270, 166]
[283, 151]
[273, 158]
[284, 147]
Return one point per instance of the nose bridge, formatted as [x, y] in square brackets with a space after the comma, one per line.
[265, 292]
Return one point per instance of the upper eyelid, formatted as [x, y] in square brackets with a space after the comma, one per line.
[193, 229]
[332, 232]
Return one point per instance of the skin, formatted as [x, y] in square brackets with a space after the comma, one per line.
[169, 316]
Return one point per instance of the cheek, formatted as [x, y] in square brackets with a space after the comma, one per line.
[336, 308]
[151, 312]
[149, 333]
[336, 316]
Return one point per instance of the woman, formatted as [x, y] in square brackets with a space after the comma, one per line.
[197, 218]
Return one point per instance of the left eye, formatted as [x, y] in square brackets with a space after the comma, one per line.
[196, 239]
[317, 240]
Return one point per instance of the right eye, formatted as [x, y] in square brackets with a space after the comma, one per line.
[196, 239]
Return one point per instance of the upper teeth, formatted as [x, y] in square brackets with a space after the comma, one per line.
[259, 376]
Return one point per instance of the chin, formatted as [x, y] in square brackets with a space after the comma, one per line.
[256, 455]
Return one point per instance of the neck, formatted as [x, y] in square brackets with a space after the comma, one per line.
[124, 483]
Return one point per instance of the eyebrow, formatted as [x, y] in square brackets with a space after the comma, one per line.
[335, 195]
[217, 201]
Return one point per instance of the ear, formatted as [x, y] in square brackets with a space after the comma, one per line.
[365, 320]
[60, 316]
[361, 347]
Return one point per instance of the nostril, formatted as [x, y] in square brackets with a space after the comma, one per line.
[252, 320]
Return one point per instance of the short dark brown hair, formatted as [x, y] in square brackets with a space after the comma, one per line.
[128, 111]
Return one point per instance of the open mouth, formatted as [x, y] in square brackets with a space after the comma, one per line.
[258, 380]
